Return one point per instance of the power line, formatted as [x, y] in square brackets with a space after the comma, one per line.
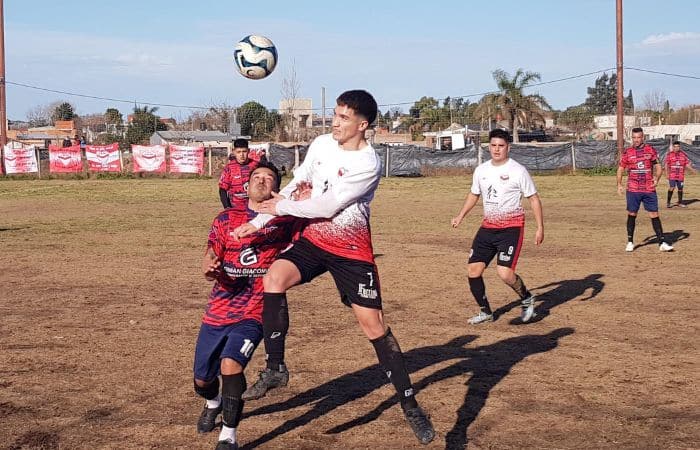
[480, 94]
[692, 77]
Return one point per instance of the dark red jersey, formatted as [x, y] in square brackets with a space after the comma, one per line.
[676, 162]
[639, 162]
[234, 179]
[237, 292]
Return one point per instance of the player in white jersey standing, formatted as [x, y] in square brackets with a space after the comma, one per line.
[333, 189]
[501, 181]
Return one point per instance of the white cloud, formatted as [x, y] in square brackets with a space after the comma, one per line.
[672, 38]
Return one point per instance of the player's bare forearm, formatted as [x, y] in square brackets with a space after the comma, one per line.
[620, 171]
[536, 205]
[469, 203]
[659, 171]
[210, 265]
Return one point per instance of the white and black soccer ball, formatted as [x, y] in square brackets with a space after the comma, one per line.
[255, 57]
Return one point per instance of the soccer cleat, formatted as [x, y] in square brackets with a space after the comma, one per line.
[630, 247]
[664, 247]
[682, 205]
[480, 318]
[668, 205]
[420, 424]
[207, 420]
[528, 309]
[226, 445]
[269, 379]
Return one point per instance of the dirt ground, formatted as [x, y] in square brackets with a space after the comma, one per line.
[101, 299]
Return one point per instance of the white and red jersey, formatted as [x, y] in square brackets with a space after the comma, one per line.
[501, 188]
[675, 163]
[343, 185]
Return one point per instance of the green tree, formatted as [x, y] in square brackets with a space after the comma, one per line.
[577, 118]
[143, 124]
[517, 107]
[253, 117]
[113, 116]
[64, 111]
[602, 97]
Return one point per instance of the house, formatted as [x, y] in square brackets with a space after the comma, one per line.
[607, 125]
[688, 133]
[208, 139]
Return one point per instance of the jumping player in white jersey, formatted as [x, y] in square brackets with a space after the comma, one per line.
[501, 181]
[341, 172]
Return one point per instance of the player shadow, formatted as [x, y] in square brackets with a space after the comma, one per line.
[671, 237]
[559, 292]
[488, 365]
[690, 201]
[12, 228]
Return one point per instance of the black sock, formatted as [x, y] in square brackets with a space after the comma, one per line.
[519, 288]
[232, 389]
[680, 196]
[476, 285]
[656, 223]
[631, 220]
[392, 361]
[670, 196]
[209, 392]
[275, 326]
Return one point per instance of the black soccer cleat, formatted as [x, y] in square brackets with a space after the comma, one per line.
[207, 420]
[269, 379]
[420, 424]
[226, 445]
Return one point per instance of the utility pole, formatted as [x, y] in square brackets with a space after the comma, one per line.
[3, 94]
[323, 108]
[620, 97]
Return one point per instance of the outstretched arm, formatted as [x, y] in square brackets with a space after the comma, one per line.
[469, 203]
[536, 205]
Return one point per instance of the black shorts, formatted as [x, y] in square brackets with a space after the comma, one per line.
[357, 281]
[504, 242]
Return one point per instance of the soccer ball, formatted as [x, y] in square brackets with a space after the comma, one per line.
[255, 57]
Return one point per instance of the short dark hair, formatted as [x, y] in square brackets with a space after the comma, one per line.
[361, 102]
[498, 133]
[240, 143]
[637, 130]
[676, 142]
[268, 165]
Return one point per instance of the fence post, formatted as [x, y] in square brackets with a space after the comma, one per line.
[386, 161]
[209, 157]
[38, 161]
[478, 155]
[573, 158]
[296, 156]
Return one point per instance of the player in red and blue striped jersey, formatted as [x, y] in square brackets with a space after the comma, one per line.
[233, 182]
[232, 323]
[676, 163]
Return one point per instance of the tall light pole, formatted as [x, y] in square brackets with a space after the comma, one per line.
[620, 93]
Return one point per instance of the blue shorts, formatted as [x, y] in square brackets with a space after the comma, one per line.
[675, 184]
[236, 341]
[635, 199]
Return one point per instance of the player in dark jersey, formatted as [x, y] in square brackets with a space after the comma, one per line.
[342, 171]
[232, 323]
[676, 163]
[233, 182]
[644, 171]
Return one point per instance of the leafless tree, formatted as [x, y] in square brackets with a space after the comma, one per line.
[290, 93]
[654, 100]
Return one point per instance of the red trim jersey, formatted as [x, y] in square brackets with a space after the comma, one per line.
[343, 185]
[676, 163]
[237, 292]
[234, 179]
[501, 188]
[639, 162]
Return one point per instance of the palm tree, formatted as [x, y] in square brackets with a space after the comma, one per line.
[518, 107]
[487, 109]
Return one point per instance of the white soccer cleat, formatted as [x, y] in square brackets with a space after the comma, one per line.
[630, 247]
[664, 247]
[480, 318]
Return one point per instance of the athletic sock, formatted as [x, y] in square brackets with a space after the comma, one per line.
[392, 361]
[214, 403]
[680, 196]
[519, 288]
[656, 223]
[227, 434]
[631, 220]
[232, 389]
[670, 196]
[478, 289]
[275, 326]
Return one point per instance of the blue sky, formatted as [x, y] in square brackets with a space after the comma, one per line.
[181, 52]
